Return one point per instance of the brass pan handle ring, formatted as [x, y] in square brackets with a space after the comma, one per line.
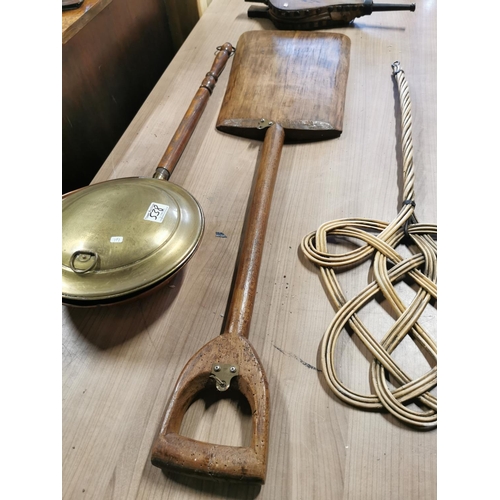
[85, 255]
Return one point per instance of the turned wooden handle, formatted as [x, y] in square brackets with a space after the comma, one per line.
[186, 128]
[242, 300]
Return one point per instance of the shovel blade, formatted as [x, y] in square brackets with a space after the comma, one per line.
[296, 79]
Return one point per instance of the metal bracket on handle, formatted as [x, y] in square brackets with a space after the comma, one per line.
[263, 123]
[223, 374]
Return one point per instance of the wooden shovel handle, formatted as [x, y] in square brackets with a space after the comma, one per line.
[239, 313]
[208, 460]
[176, 453]
[186, 128]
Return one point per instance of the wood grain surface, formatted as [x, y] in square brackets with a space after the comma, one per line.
[294, 78]
[121, 363]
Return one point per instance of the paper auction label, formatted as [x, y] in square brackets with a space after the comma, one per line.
[156, 212]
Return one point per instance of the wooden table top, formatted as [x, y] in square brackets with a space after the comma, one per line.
[120, 363]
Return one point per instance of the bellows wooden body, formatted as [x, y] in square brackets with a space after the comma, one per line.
[318, 14]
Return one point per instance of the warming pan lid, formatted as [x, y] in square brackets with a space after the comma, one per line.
[123, 236]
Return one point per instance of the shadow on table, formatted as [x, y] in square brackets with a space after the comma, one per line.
[110, 325]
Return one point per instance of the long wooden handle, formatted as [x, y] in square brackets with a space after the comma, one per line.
[177, 453]
[239, 312]
[186, 128]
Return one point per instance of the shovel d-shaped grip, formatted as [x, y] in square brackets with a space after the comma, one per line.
[229, 359]
[211, 367]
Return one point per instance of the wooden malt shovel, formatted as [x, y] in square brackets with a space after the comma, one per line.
[282, 85]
